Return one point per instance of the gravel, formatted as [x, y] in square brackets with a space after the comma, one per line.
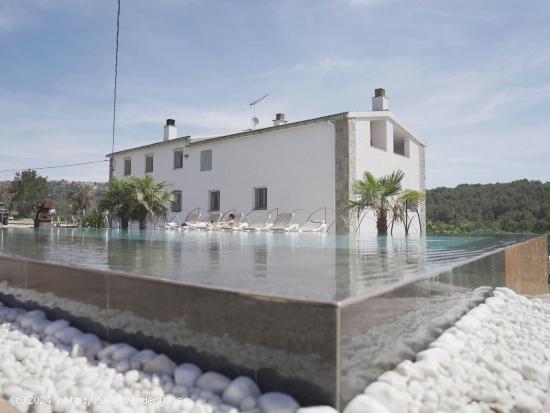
[50, 366]
[495, 359]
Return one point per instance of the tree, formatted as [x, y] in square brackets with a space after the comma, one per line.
[383, 196]
[151, 200]
[118, 201]
[81, 198]
[26, 188]
[135, 198]
[406, 209]
[5, 195]
[519, 206]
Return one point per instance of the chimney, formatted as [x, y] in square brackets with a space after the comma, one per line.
[279, 119]
[380, 101]
[170, 130]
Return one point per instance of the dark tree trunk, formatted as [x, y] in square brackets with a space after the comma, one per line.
[382, 222]
[124, 222]
[143, 223]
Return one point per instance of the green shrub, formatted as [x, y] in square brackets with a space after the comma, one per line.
[94, 219]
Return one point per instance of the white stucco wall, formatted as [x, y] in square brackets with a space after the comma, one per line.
[163, 163]
[295, 164]
[380, 162]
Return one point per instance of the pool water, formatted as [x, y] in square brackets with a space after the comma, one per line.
[319, 267]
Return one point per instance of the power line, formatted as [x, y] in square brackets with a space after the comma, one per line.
[114, 114]
[54, 166]
[116, 76]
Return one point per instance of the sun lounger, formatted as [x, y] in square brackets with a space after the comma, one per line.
[313, 226]
[257, 223]
[192, 218]
[210, 222]
[237, 224]
[282, 222]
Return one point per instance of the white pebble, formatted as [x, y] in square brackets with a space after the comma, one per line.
[239, 389]
[214, 382]
[160, 365]
[275, 402]
[187, 374]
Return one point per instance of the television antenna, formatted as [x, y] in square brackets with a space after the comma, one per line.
[252, 105]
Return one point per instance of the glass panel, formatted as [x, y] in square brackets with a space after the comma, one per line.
[127, 166]
[260, 198]
[149, 163]
[206, 160]
[178, 159]
[214, 200]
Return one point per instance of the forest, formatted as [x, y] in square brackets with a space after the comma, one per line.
[519, 206]
[515, 207]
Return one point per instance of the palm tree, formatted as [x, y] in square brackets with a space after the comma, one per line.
[380, 195]
[408, 201]
[119, 201]
[151, 199]
[136, 199]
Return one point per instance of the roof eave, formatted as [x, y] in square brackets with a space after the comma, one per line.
[386, 114]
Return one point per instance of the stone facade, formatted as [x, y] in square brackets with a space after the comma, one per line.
[344, 167]
[422, 180]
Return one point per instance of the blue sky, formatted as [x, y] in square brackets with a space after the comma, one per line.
[471, 77]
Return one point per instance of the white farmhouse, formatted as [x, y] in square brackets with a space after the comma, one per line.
[306, 165]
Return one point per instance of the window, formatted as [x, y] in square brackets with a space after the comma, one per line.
[127, 166]
[178, 158]
[148, 163]
[206, 160]
[214, 200]
[260, 198]
[400, 145]
[176, 203]
[378, 134]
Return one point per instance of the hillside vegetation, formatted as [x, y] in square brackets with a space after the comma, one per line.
[519, 206]
[70, 198]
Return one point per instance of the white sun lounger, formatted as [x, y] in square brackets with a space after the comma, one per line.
[173, 223]
[312, 226]
[168, 226]
[191, 219]
[237, 224]
[213, 218]
[282, 222]
[258, 223]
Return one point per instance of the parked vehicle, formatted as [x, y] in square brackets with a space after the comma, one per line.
[4, 214]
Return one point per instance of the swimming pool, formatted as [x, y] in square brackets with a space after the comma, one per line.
[315, 315]
[319, 267]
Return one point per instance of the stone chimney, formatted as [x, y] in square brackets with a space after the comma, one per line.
[279, 119]
[380, 101]
[170, 130]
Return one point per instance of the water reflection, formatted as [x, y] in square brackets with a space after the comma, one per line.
[309, 266]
